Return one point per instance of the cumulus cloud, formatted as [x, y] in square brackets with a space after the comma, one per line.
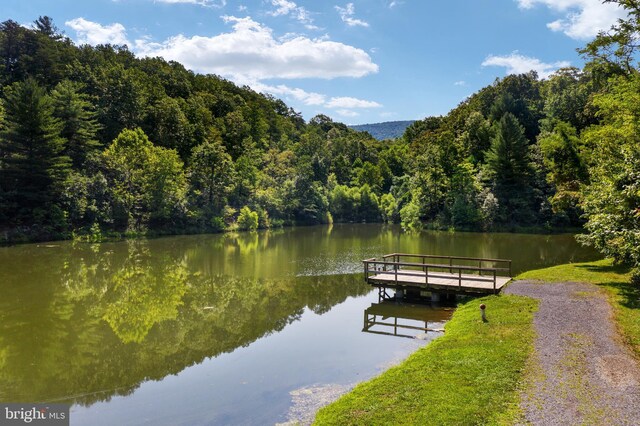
[582, 19]
[307, 98]
[347, 113]
[251, 51]
[249, 55]
[286, 7]
[519, 64]
[93, 33]
[346, 14]
[341, 103]
[348, 102]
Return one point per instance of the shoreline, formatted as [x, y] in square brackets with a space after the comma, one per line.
[113, 236]
[384, 399]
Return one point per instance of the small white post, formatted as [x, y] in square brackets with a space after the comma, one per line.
[483, 307]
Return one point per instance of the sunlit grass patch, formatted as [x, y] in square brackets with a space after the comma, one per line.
[468, 376]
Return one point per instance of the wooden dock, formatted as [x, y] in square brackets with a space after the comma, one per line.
[434, 273]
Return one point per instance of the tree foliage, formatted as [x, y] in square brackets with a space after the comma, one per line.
[95, 140]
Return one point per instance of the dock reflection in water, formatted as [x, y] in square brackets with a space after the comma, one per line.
[411, 319]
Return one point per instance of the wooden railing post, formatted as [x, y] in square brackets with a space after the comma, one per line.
[494, 280]
[426, 276]
[396, 273]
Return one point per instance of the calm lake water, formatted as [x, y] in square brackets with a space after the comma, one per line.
[215, 329]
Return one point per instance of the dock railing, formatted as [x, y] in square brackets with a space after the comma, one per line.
[429, 265]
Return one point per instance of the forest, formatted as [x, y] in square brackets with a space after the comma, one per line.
[97, 142]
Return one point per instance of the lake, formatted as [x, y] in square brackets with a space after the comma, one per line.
[216, 329]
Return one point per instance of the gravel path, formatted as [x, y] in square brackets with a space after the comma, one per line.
[581, 373]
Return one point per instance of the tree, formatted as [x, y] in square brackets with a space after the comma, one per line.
[611, 201]
[615, 50]
[211, 174]
[508, 169]
[78, 119]
[45, 26]
[247, 220]
[33, 162]
[567, 169]
[389, 208]
[147, 182]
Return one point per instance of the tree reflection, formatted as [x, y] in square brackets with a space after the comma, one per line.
[143, 296]
[97, 323]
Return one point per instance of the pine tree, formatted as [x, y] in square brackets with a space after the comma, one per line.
[509, 170]
[34, 165]
[79, 126]
[508, 159]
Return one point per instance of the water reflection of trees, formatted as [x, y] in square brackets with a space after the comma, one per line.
[85, 323]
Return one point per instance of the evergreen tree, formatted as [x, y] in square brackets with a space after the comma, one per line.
[508, 170]
[507, 158]
[34, 165]
[79, 126]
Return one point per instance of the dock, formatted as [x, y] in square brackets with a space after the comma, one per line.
[437, 274]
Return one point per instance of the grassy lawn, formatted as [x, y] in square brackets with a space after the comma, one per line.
[614, 280]
[468, 376]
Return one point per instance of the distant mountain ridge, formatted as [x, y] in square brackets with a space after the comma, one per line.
[386, 130]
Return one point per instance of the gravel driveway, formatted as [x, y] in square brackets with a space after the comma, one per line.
[581, 372]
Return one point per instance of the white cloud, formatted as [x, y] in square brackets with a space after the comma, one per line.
[206, 3]
[286, 7]
[250, 54]
[519, 64]
[460, 83]
[582, 19]
[348, 102]
[250, 51]
[395, 3]
[346, 14]
[347, 113]
[312, 98]
[307, 98]
[93, 33]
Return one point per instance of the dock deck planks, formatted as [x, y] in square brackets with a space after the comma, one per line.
[438, 281]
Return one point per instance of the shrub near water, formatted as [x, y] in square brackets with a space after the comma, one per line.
[248, 219]
[468, 376]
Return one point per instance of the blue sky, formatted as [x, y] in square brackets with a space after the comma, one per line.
[357, 61]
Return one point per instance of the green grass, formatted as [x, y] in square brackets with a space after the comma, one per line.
[614, 280]
[468, 376]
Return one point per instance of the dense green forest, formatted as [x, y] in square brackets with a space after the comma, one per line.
[386, 130]
[94, 140]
